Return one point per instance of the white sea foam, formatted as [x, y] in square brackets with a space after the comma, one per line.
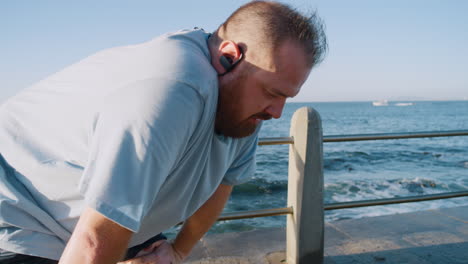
[358, 190]
[465, 164]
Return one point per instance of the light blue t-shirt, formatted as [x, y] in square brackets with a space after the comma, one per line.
[128, 131]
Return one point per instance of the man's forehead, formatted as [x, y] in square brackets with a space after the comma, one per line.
[289, 76]
[279, 84]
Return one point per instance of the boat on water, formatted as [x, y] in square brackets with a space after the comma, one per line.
[380, 103]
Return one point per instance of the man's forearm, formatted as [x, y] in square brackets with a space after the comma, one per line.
[199, 223]
[96, 239]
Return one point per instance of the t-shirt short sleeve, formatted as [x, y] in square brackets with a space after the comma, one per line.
[136, 138]
[243, 167]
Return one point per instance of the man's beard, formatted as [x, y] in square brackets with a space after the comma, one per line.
[228, 122]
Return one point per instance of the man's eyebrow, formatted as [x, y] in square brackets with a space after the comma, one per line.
[275, 90]
[280, 93]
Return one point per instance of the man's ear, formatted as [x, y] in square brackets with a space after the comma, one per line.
[230, 50]
[229, 55]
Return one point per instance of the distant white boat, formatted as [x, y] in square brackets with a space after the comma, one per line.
[403, 104]
[380, 103]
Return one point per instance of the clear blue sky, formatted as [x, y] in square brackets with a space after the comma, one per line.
[378, 49]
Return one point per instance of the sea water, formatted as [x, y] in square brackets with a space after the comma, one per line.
[365, 169]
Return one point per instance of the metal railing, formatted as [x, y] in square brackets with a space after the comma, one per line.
[363, 137]
[305, 242]
[353, 204]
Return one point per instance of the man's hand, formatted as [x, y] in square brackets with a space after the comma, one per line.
[160, 252]
[163, 252]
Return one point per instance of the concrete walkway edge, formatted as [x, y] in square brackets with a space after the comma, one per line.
[433, 236]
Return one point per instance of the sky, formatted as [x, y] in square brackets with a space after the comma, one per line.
[394, 50]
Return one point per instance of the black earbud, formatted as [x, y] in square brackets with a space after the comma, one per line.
[228, 64]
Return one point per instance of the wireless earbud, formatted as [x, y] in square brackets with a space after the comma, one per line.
[228, 64]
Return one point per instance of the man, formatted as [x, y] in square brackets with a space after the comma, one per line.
[109, 152]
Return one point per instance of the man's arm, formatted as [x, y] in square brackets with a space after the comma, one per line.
[192, 230]
[199, 223]
[96, 239]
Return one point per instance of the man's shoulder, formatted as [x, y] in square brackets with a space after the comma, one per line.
[185, 47]
[194, 38]
[186, 58]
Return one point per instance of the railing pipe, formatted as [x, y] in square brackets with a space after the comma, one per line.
[305, 226]
[343, 205]
[381, 136]
[408, 199]
[255, 213]
[275, 141]
[363, 137]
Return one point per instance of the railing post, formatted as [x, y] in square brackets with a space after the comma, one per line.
[305, 227]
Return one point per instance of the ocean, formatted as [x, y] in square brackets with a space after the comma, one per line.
[363, 170]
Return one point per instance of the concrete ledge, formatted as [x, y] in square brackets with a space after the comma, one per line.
[435, 236]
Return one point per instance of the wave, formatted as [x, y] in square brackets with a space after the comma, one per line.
[351, 190]
[464, 164]
[259, 186]
[364, 190]
[262, 193]
[353, 160]
[356, 190]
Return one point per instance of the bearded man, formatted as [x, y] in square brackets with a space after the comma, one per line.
[100, 158]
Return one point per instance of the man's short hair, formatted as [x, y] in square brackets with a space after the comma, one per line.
[271, 23]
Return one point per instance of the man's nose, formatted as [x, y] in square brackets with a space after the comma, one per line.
[275, 109]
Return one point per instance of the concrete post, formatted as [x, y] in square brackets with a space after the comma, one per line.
[305, 227]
